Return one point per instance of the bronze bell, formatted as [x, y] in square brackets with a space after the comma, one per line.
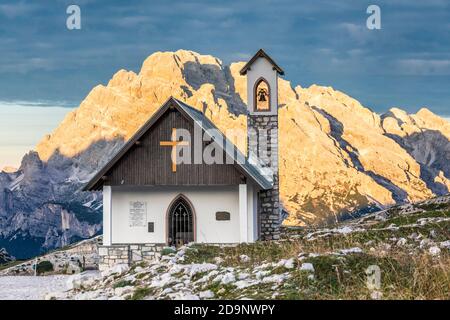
[262, 95]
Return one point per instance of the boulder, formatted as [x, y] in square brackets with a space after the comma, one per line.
[82, 280]
[116, 269]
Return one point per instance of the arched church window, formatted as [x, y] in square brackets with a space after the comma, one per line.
[262, 95]
[180, 222]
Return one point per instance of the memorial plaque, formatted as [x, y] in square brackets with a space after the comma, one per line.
[222, 216]
[138, 214]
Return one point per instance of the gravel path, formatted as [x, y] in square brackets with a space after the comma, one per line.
[30, 288]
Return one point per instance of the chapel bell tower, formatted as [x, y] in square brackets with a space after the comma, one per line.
[262, 131]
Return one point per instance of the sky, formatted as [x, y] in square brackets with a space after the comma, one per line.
[22, 125]
[46, 66]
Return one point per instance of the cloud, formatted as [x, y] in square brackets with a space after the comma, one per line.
[424, 67]
[237, 56]
[37, 103]
[421, 4]
[27, 65]
[15, 10]
[358, 32]
[132, 21]
[316, 42]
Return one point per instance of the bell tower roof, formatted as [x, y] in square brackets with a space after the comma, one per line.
[261, 54]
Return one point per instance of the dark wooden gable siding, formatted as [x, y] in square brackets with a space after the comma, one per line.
[149, 164]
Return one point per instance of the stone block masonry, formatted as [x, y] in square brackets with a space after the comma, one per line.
[263, 142]
[270, 213]
[128, 254]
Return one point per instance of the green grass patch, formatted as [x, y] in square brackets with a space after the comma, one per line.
[11, 264]
[412, 218]
[280, 270]
[258, 252]
[222, 291]
[167, 251]
[375, 236]
[201, 253]
[141, 292]
[141, 275]
[434, 206]
[122, 283]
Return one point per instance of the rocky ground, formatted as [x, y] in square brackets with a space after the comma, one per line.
[408, 245]
[31, 288]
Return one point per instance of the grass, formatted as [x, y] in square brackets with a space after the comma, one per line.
[434, 206]
[413, 218]
[141, 292]
[11, 264]
[167, 251]
[222, 291]
[376, 236]
[407, 272]
[335, 277]
[122, 283]
[201, 253]
[141, 275]
[257, 252]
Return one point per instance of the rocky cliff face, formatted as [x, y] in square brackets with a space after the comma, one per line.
[425, 137]
[5, 257]
[336, 156]
[41, 207]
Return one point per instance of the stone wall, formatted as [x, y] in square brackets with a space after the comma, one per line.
[127, 254]
[263, 143]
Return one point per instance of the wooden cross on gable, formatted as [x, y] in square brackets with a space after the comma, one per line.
[173, 143]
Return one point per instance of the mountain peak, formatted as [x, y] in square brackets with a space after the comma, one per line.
[426, 115]
[9, 169]
[168, 60]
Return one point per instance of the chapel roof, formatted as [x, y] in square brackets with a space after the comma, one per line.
[261, 54]
[252, 169]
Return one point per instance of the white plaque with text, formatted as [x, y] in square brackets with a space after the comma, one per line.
[138, 214]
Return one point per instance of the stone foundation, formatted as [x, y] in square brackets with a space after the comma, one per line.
[127, 254]
[263, 143]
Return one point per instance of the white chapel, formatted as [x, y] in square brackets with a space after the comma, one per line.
[152, 199]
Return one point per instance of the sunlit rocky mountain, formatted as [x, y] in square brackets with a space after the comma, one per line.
[338, 159]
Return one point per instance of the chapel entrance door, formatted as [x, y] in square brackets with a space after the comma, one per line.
[180, 222]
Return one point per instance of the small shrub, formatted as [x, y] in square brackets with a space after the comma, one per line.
[44, 266]
[167, 251]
